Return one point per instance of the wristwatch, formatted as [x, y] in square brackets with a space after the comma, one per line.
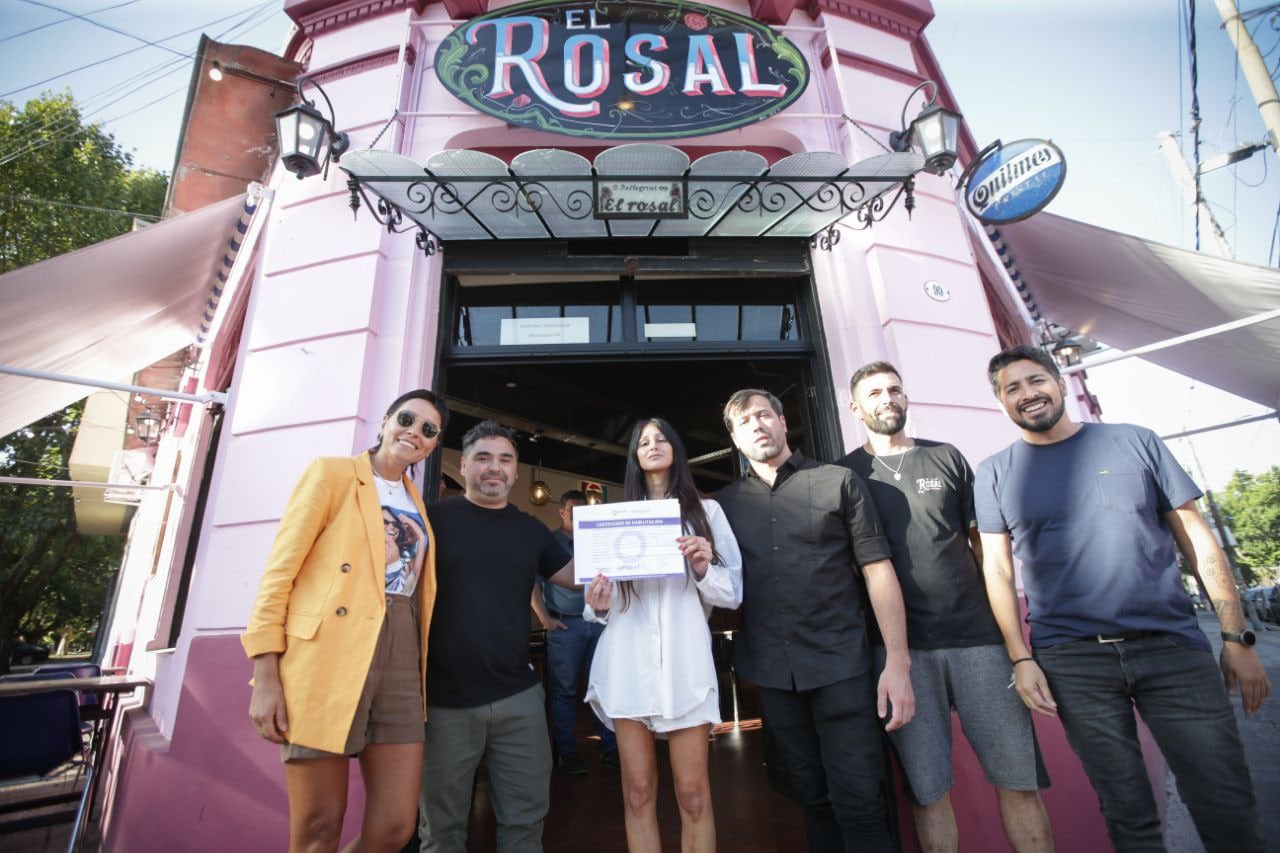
[1244, 638]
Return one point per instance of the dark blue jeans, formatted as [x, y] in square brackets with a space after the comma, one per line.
[569, 652]
[1180, 694]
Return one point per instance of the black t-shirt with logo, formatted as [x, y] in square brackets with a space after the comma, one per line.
[926, 516]
[487, 561]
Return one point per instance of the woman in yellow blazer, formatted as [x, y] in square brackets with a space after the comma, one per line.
[338, 634]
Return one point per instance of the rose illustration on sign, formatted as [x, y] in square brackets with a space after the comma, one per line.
[621, 70]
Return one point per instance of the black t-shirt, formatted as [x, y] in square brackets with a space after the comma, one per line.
[487, 561]
[802, 541]
[927, 516]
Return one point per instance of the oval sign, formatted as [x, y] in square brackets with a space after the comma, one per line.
[640, 69]
[1016, 180]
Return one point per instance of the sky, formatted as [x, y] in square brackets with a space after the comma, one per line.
[1098, 77]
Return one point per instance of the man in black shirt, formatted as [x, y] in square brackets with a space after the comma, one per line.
[804, 528]
[484, 700]
[923, 493]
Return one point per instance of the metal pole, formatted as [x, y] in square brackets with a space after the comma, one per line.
[1254, 68]
[164, 394]
[1117, 355]
[80, 484]
[1182, 175]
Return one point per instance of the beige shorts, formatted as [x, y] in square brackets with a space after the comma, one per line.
[390, 708]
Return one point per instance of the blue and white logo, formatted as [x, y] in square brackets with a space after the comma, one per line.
[1015, 181]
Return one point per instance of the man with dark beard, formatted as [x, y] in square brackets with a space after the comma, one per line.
[1095, 512]
[923, 493]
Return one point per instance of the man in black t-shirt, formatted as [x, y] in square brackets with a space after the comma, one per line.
[923, 492]
[484, 700]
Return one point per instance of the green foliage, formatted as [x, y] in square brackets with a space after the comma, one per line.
[53, 580]
[50, 159]
[1250, 505]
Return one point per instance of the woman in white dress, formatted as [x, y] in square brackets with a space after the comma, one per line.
[653, 674]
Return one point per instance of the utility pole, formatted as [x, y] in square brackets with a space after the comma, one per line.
[1182, 175]
[1255, 70]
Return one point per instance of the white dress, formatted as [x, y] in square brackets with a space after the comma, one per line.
[653, 662]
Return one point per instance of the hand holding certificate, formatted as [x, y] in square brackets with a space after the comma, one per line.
[627, 541]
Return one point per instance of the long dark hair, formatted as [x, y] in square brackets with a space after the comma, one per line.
[679, 486]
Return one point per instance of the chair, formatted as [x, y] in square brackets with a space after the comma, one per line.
[90, 703]
[39, 732]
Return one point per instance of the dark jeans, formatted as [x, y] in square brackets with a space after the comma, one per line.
[569, 652]
[828, 743]
[1180, 694]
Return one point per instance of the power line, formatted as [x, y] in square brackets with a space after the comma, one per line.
[106, 27]
[88, 207]
[64, 20]
[167, 67]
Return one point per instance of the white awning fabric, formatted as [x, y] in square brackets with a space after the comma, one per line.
[1128, 292]
[110, 309]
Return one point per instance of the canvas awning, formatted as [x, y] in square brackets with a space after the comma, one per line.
[548, 193]
[1128, 292]
[108, 310]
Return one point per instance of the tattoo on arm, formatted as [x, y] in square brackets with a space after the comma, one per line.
[1214, 570]
[1230, 614]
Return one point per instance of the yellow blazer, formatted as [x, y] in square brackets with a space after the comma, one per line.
[322, 598]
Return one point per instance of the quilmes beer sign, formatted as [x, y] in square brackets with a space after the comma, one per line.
[1013, 181]
[639, 69]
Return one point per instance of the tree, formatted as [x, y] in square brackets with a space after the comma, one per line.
[1250, 505]
[64, 184]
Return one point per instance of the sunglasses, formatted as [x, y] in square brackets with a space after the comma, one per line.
[406, 418]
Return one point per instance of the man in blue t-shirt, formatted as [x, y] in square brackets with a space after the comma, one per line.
[1096, 513]
[571, 644]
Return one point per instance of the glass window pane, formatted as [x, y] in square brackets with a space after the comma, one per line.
[485, 324]
[762, 323]
[717, 322]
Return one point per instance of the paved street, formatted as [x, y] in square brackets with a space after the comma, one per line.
[1261, 734]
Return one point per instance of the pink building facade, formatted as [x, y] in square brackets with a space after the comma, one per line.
[337, 317]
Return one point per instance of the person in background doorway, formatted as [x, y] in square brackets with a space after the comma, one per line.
[923, 494]
[338, 634]
[571, 643]
[653, 675]
[1097, 513]
[805, 530]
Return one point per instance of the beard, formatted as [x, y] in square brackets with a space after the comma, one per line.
[762, 452]
[1043, 420]
[891, 424]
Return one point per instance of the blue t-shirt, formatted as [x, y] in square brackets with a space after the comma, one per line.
[568, 602]
[1086, 518]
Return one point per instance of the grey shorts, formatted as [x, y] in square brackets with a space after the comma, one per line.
[997, 725]
[390, 707]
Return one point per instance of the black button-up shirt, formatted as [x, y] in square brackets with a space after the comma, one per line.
[801, 600]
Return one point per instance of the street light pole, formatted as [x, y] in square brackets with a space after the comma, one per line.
[1255, 70]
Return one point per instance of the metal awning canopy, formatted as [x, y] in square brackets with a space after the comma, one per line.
[548, 193]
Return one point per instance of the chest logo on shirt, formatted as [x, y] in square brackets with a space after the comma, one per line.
[928, 484]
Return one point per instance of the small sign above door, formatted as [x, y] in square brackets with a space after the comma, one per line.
[641, 198]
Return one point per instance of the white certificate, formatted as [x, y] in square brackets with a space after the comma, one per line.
[627, 541]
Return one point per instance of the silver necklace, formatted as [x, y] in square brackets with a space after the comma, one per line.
[902, 459]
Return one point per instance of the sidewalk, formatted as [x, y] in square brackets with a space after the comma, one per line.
[1261, 735]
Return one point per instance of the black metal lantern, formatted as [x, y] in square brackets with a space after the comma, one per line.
[1066, 352]
[147, 426]
[306, 139]
[935, 132]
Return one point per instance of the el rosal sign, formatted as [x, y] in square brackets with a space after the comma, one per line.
[1014, 181]
[643, 69]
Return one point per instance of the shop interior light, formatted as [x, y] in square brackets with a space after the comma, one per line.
[539, 491]
[306, 138]
[935, 132]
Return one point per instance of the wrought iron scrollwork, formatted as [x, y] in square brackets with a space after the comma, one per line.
[825, 240]
[426, 241]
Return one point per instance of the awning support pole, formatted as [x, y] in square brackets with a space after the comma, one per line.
[1269, 416]
[1119, 355]
[206, 398]
[83, 484]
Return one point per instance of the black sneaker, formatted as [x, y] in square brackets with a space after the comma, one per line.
[610, 759]
[570, 763]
